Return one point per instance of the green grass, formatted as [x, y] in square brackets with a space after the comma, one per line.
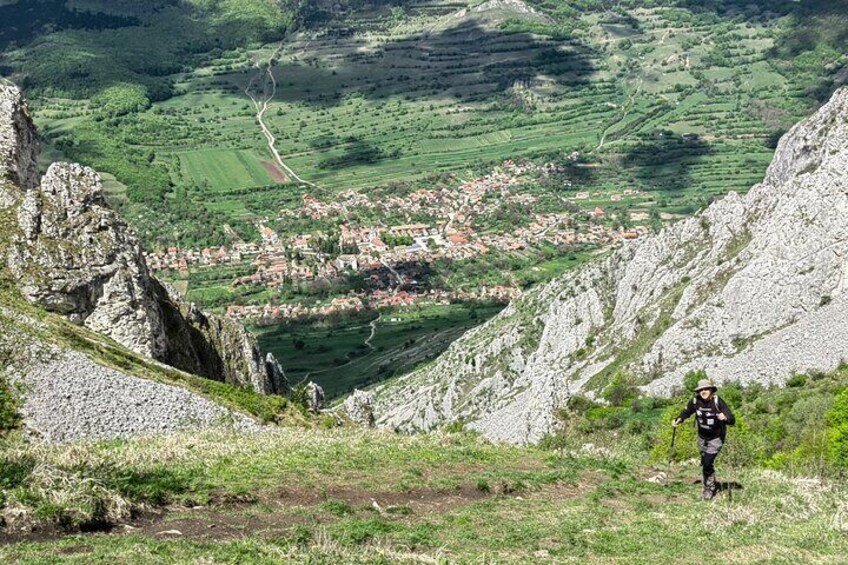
[224, 169]
[385, 97]
[530, 505]
[9, 417]
[335, 356]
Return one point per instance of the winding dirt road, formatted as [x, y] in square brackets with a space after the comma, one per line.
[261, 90]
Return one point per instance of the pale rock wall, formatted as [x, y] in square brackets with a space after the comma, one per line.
[74, 256]
[751, 289]
[18, 146]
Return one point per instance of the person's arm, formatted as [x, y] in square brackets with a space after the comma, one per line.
[687, 411]
[729, 418]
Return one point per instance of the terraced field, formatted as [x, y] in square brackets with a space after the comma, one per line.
[682, 102]
[376, 102]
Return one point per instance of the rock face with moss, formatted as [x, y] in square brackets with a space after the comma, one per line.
[74, 256]
[752, 289]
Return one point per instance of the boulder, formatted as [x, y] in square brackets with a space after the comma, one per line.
[359, 407]
[314, 397]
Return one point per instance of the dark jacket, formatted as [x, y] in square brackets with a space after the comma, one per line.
[706, 412]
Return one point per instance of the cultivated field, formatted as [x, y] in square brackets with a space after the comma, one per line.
[683, 103]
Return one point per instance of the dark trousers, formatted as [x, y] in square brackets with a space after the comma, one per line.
[708, 463]
[710, 449]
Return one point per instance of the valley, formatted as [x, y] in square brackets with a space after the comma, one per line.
[423, 281]
[476, 150]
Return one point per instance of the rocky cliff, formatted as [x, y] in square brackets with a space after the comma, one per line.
[751, 289]
[74, 256]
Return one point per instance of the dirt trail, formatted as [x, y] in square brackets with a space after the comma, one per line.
[373, 325]
[625, 111]
[275, 513]
[269, 515]
[261, 90]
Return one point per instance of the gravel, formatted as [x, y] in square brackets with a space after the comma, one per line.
[72, 398]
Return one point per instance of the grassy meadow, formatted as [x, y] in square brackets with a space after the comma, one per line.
[356, 496]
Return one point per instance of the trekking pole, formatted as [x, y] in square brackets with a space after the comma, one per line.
[670, 454]
[730, 491]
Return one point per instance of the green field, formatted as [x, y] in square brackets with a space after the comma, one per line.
[337, 358]
[223, 169]
[383, 95]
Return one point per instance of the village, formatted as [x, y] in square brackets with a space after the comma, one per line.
[379, 253]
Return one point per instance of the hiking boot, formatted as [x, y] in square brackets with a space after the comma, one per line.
[710, 488]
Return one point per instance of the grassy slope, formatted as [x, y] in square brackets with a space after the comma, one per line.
[306, 496]
[23, 324]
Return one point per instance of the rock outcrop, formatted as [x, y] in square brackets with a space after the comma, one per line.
[314, 397]
[18, 147]
[752, 289]
[359, 407]
[74, 256]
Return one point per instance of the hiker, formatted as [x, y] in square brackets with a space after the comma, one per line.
[713, 416]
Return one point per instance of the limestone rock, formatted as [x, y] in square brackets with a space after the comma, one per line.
[74, 256]
[18, 146]
[314, 397]
[359, 407]
[277, 381]
[751, 289]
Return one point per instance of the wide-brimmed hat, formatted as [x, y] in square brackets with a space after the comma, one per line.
[704, 384]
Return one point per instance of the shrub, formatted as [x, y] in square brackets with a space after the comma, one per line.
[579, 403]
[796, 381]
[690, 380]
[619, 391]
[685, 444]
[731, 393]
[643, 404]
[837, 439]
[743, 446]
[454, 427]
[9, 418]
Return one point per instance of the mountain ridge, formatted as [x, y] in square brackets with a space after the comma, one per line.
[65, 252]
[726, 291]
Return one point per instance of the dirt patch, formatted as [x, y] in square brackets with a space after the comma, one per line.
[269, 514]
[274, 171]
[419, 500]
[26, 535]
[278, 513]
